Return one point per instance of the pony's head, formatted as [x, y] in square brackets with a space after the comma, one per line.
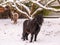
[39, 19]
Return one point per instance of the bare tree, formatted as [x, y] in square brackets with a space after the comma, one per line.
[41, 6]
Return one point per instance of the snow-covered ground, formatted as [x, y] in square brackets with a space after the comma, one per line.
[10, 34]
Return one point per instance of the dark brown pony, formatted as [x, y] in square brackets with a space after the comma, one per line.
[32, 27]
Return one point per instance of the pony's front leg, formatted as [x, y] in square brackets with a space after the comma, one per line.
[23, 36]
[35, 37]
[27, 36]
[31, 37]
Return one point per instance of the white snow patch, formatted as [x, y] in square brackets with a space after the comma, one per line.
[10, 34]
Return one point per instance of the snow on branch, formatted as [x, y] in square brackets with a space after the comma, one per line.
[47, 8]
[39, 4]
[50, 2]
[58, 1]
[27, 8]
[36, 11]
[4, 3]
[18, 8]
[22, 11]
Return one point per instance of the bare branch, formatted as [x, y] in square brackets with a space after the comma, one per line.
[22, 11]
[50, 2]
[36, 11]
[58, 1]
[47, 8]
[28, 10]
[18, 8]
[4, 3]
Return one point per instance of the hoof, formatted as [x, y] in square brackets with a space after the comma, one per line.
[30, 41]
[34, 40]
